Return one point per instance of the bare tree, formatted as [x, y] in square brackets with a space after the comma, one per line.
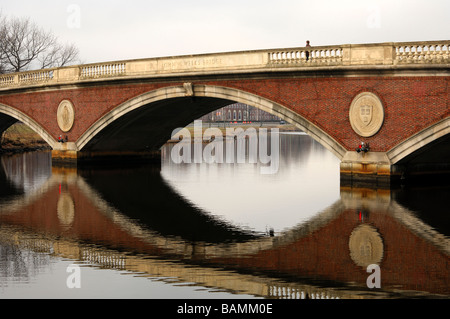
[3, 66]
[58, 56]
[24, 45]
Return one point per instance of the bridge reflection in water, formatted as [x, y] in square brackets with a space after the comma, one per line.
[82, 215]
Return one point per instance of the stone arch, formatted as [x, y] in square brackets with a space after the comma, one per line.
[218, 92]
[419, 140]
[22, 117]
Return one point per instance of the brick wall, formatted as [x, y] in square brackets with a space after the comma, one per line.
[411, 103]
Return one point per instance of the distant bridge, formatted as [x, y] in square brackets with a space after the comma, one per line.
[394, 97]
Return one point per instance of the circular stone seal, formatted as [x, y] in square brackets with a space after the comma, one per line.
[366, 246]
[65, 115]
[65, 209]
[366, 114]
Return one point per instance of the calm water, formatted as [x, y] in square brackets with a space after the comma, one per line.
[217, 231]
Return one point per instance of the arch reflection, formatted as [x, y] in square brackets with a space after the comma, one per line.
[81, 214]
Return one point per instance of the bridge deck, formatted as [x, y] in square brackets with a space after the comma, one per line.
[418, 55]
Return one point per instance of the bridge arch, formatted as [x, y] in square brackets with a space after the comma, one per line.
[230, 95]
[16, 115]
[419, 142]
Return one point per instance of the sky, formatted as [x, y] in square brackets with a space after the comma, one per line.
[133, 29]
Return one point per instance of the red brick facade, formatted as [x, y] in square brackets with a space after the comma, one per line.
[410, 103]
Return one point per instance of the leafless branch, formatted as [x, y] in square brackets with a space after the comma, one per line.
[24, 45]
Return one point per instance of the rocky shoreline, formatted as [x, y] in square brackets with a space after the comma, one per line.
[18, 149]
[20, 139]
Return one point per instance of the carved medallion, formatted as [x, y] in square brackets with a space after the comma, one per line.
[366, 246]
[65, 115]
[65, 209]
[366, 114]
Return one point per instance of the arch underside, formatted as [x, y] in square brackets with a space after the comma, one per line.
[10, 115]
[149, 127]
[430, 159]
[146, 122]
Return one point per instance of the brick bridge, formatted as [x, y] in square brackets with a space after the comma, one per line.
[392, 96]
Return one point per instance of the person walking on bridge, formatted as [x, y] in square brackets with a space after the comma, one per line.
[307, 52]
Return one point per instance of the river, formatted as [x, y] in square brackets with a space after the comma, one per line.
[217, 230]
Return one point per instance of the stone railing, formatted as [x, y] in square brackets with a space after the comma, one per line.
[317, 55]
[103, 70]
[426, 52]
[36, 76]
[376, 55]
[30, 77]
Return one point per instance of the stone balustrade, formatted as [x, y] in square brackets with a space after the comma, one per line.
[426, 53]
[7, 80]
[102, 70]
[434, 52]
[36, 76]
[318, 55]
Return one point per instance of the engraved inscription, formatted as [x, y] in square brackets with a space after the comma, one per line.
[191, 63]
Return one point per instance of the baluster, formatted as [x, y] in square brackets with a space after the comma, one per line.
[420, 48]
[278, 57]
[439, 53]
[405, 53]
[409, 57]
[417, 53]
[426, 53]
[399, 53]
[433, 52]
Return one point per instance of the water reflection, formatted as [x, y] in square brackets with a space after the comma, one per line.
[205, 227]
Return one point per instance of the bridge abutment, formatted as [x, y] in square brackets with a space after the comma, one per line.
[371, 168]
[375, 170]
[65, 153]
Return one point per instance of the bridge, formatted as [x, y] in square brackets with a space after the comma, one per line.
[393, 97]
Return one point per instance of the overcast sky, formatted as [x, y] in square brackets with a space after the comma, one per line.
[128, 29]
